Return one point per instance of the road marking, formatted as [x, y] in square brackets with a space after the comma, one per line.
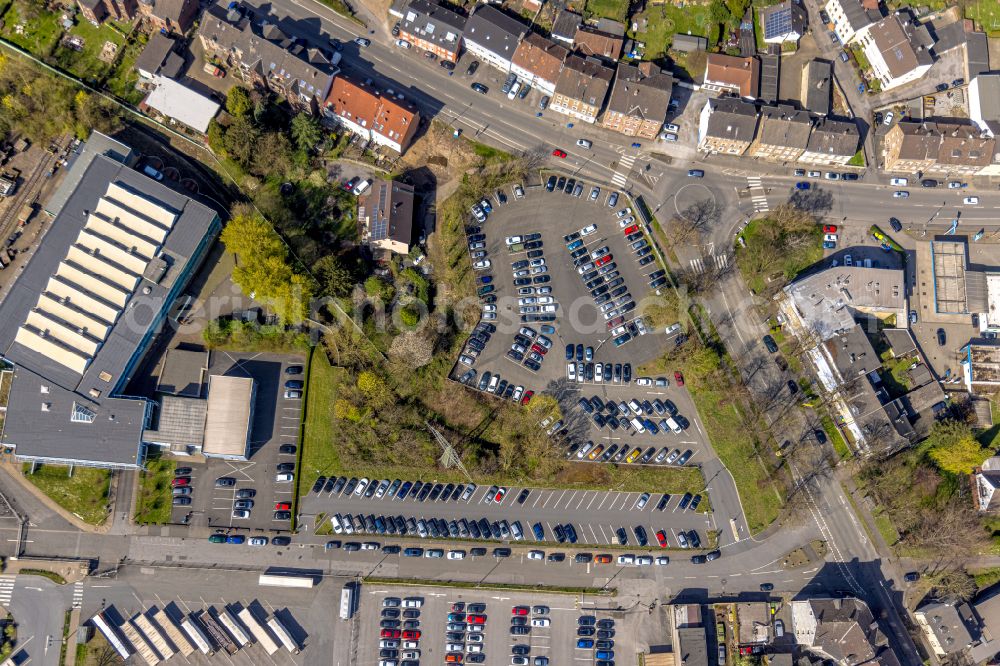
[758, 194]
[78, 594]
[721, 261]
[697, 265]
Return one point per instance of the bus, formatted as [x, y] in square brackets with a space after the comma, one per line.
[285, 580]
[347, 601]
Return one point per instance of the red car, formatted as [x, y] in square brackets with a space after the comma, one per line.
[389, 633]
[829, 228]
[602, 559]
[477, 619]
[559, 153]
[527, 397]
[661, 536]
[282, 506]
[411, 635]
[678, 378]
[181, 481]
[499, 496]
[631, 230]
[603, 260]
[519, 610]
[539, 349]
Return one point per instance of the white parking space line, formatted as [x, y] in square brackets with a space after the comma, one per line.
[604, 535]
[605, 499]
[593, 533]
[592, 499]
[624, 502]
[571, 498]
[538, 496]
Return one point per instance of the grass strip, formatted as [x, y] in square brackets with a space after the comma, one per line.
[510, 587]
[51, 575]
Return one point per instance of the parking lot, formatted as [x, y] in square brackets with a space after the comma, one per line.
[563, 286]
[596, 516]
[275, 423]
[481, 625]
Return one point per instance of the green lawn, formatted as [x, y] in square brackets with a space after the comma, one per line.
[319, 456]
[986, 577]
[762, 267]
[612, 9]
[986, 13]
[155, 497]
[886, 529]
[39, 35]
[122, 81]
[839, 445]
[85, 494]
[659, 23]
[86, 63]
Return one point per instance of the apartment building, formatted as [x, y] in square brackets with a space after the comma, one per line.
[381, 119]
[831, 143]
[493, 36]
[432, 27]
[850, 19]
[898, 50]
[911, 147]
[727, 125]
[169, 16]
[639, 100]
[581, 88]
[725, 73]
[782, 135]
[538, 61]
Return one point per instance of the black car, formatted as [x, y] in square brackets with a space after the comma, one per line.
[448, 65]
[895, 224]
[622, 536]
[570, 184]
[520, 650]
[640, 535]
[585, 631]
[479, 87]
[766, 587]
[771, 345]
[663, 502]
[928, 182]
[318, 486]
[695, 501]
[523, 496]
[182, 471]
[501, 552]
[698, 559]
[293, 370]
[520, 631]
[626, 373]
[849, 176]
[941, 337]
[285, 467]
[246, 493]
[471, 69]
[685, 500]
[281, 541]
[282, 515]
[287, 449]
[225, 482]
[296, 384]
[551, 183]
[911, 577]
[583, 558]
[586, 620]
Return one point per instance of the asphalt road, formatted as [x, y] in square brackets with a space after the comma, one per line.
[38, 606]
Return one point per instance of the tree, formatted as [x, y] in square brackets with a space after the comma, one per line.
[34, 102]
[719, 12]
[247, 234]
[954, 585]
[954, 448]
[412, 348]
[374, 388]
[272, 155]
[240, 141]
[238, 102]
[306, 131]
[334, 278]
[94, 112]
[693, 221]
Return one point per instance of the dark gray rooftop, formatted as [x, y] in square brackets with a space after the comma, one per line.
[949, 37]
[977, 54]
[494, 31]
[689, 43]
[817, 82]
[434, 23]
[732, 119]
[183, 372]
[852, 353]
[44, 391]
[154, 55]
[96, 144]
[566, 25]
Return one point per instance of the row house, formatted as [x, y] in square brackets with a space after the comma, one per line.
[940, 149]
[783, 134]
[374, 117]
[639, 100]
[493, 36]
[725, 73]
[898, 50]
[565, 26]
[538, 61]
[599, 44]
[850, 18]
[727, 125]
[581, 88]
[263, 56]
[96, 11]
[169, 16]
[434, 28]
[831, 143]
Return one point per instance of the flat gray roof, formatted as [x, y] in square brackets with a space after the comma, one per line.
[183, 373]
[79, 160]
[181, 422]
[57, 411]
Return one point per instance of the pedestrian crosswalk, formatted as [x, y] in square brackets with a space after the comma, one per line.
[757, 194]
[624, 167]
[78, 594]
[6, 589]
[721, 261]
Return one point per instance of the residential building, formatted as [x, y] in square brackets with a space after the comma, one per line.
[538, 61]
[169, 16]
[639, 100]
[493, 36]
[122, 244]
[987, 483]
[260, 54]
[374, 117]
[727, 125]
[565, 26]
[963, 152]
[815, 86]
[896, 48]
[688, 43]
[159, 58]
[782, 135]
[783, 22]
[843, 630]
[827, 302]
[581, 88]
[984, 103]
[911, 147]
[604, 45]
[386, 214]
[831, 143]
[180, 104]
[944, 627]
[725, 73]
[432, 27]
[96, 11]
[850, 19]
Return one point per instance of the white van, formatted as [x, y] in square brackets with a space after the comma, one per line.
[673, 425]
[514, 89]
[635, 406]
[637, 424]
[335, 522]
[362, 187]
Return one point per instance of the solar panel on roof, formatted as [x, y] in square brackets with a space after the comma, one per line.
[778, 23]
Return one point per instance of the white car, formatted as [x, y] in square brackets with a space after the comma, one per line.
[888, 118]
[545, 300]
[830, 237]
[583, 143]
[899, 182]
[511, 240]
[900, 194]
[623, 212]
[644, 560]
[671, 128]
[598, 372]
[814, 174]
[536, 555]
[549, 309]
[970, 201]
[482, 264]
[571, 372]
[335, 520]
[456, 554]
[589, 229]
[257, 541]
[583, 268]
[625, 560]
[662, 560]
[644, 381]
[540, 622]
[628, 221]
[413, 602]
[284, 478]
[584, 450]
[832, 175]
[668, 136]
[489, 308]
[538, 270]
[402, 43]
[641, 502]
[537, 262]
[955, 185]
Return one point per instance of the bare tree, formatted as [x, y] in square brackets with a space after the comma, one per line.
[688, 226]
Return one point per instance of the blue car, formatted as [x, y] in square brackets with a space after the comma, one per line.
[413, 552]
[802, 186]
[539, 531]
[485, 279]
[236, 538]
[569, 352]
[829, 245]
[584, 643]
[605, 654]
[548, 330]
